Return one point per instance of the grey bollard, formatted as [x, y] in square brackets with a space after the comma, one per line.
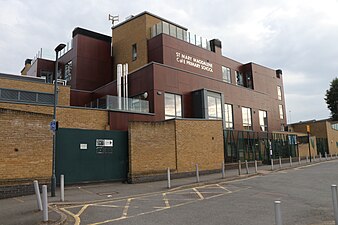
[299, 160]
[314, 158]
[239, 167]
[197, 174]
[331, 156]
[307, 159]
[290, 161]
[256, 168]
[336, 155]
[325, 155]
[320, 157]
[280, 162]
[37, 193]
[278, 213]
[168, 177]
[45, 203]
[246, 166]
[271, 164]
[223, 170]
[335, 202]
[62, 188]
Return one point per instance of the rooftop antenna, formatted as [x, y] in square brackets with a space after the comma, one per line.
[113, 19]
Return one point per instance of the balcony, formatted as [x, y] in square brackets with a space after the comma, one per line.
[111, 102]
[177, 32]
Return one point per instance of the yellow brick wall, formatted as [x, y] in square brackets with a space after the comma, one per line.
[135, 31]
[332, 138]
[64, 91]
[304, 148]
[199, 142]
[177, 144]
[25, 145]
[68, 117]
[151, 147]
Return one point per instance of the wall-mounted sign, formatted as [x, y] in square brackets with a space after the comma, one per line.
[104, 143]
[194, 62]
[83, 146]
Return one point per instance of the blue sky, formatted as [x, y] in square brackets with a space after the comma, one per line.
[297, 36]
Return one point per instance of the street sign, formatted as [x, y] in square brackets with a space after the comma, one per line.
[53, 125]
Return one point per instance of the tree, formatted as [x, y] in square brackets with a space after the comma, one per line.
[331, 98]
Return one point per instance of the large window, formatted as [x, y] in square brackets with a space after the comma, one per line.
[173, 105]
[239, 78]
[279, 92]
[263, 120]
[246, 117]
[226, 74]
[214, 106]
[228, 116]
[281, 112]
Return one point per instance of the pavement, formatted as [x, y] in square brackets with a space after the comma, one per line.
[23, 210]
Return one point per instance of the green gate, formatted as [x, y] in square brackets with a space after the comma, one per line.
[91, 155]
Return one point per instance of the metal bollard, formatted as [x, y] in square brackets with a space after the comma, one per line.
[271, 164]
[168, 178]
[335, 202]
[320, 157]
[239, 167]
[331, 156]
[336, 155]
[290, 161]
[280, 162]
[45, 203]
[278, 214]
[307, 159]
[246, 166]
[256, 168]
[37, 193]
[314, 158]
[62, 187]
[223, 170]
[325, 155]
[299, 160]
[197, 174]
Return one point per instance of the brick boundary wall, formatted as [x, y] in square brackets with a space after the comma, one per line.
[10, 188]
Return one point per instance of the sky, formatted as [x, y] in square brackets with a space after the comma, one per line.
[298, 36]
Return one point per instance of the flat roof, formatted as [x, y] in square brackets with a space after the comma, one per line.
[150, 14]
[22, 77]
[92, 34]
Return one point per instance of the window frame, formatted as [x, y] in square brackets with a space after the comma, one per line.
[134, 52]
[247, 116]
[178, 114]
[229, 124]
[226, 74]
[279, 92]
[281, 111]
[264, 126]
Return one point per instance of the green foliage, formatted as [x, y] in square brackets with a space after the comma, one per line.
[331, 98]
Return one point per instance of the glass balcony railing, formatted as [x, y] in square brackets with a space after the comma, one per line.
[177, 32]
[124, 104]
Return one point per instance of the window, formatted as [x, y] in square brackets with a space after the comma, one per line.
[279, 92]
[249, 81]
[228, 116]
[263, 120]
[68, 71]
[173, 105]
[134, 52]
[214, 106]
[226, 74]
[246, 117]
[239, 78]
[281, 112]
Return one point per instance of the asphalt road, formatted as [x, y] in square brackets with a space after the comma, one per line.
[305, 195]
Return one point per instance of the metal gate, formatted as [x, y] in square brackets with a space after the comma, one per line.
[91, 155]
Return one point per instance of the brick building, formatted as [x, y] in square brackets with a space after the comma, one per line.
[154, 70]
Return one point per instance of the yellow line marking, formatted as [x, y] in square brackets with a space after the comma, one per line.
[76, 218]
[166, 201]
[82, 210]
[19, 200]
[84, 190]
[109, 206]
[125, 210]
[198, 193]
[224, 188]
